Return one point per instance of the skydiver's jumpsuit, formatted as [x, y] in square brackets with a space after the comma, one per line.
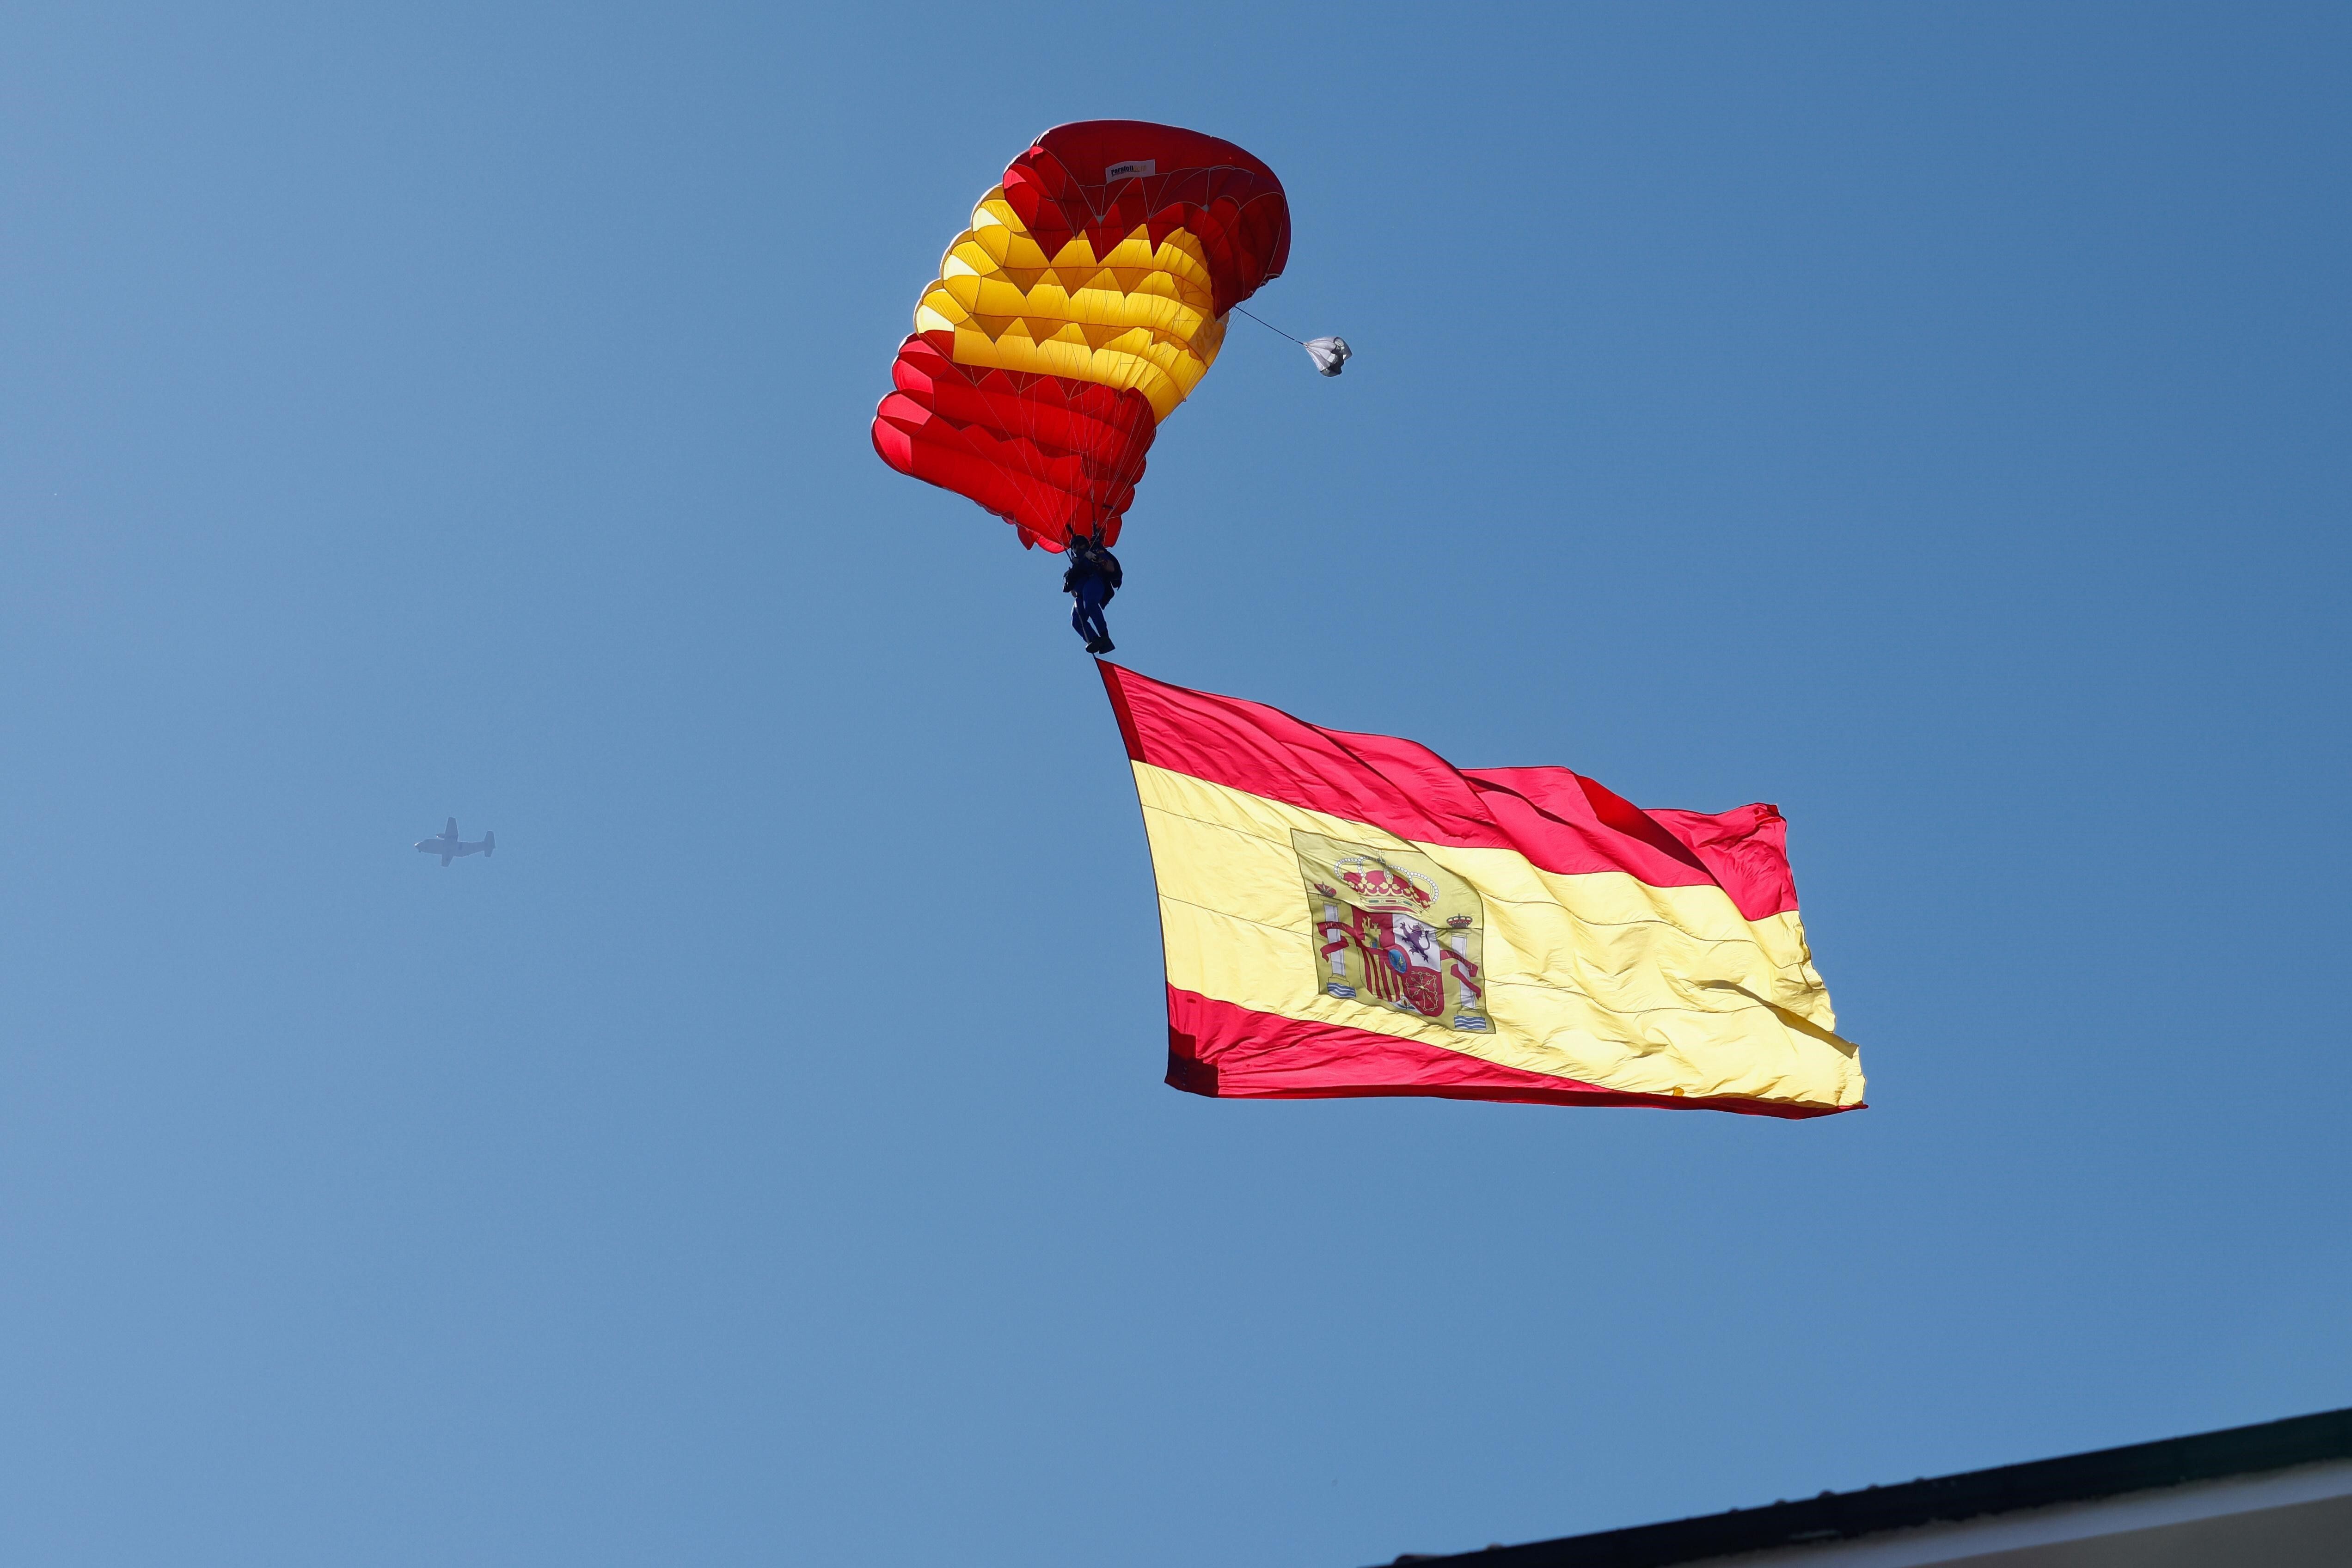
[1092, 578]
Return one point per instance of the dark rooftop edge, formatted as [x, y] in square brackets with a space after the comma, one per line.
[1945, 1500]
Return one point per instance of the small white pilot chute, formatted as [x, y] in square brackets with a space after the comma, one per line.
[1329, 355]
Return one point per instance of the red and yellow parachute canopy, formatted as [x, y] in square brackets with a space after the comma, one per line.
[1086, 301]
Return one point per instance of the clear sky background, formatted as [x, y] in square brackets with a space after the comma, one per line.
[1931, 420]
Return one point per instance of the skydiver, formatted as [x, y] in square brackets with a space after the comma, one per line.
[1092, 578]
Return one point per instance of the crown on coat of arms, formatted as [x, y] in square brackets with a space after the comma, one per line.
[1326, 889]
[1383, 888]
[1458, 921]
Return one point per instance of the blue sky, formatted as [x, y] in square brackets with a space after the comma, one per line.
[1930, 419]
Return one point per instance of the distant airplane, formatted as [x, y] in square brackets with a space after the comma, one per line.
[449, 845]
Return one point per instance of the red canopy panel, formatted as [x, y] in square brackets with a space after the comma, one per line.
[1045, 453]
[1227, 199]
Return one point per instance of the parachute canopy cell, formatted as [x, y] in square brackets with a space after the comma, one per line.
[1085, 302]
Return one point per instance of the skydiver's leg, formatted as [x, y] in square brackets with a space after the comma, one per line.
[1088, 617]
[1090, 603]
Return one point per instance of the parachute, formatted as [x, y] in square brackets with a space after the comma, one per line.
[1330, 354]
[1084, 303]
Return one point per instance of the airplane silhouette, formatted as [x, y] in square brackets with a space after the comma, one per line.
[449, 845]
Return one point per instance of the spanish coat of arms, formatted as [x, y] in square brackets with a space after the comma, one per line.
[1394, 930]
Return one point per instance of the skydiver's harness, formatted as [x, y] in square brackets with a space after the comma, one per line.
[1088, 559]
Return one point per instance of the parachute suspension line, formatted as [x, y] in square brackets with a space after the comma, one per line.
[1269, 326]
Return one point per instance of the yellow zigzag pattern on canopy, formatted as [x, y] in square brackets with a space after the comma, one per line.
[1138, 317]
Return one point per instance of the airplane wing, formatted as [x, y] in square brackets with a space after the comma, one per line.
[450, 831]
[446, 853]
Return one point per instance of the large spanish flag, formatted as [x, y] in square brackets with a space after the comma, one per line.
[1352, 915]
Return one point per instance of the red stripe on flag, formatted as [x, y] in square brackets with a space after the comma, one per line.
[1226, 1052]
[1559, 820]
